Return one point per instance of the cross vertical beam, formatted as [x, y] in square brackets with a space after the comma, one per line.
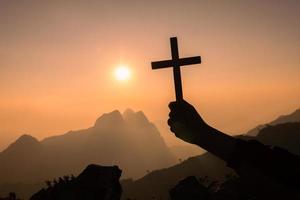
[176, 69]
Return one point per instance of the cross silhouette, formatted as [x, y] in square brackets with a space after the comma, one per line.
[176, 62]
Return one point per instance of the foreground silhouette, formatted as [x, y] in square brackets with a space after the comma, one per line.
[94, 183]
[269, 171]
[11, 196]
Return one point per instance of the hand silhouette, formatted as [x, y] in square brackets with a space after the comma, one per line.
[185, 122]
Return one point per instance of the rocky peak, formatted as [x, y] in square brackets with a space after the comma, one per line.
[26, 140]
[135, 117]
[23, 143]
[110, 119]
[128, 113]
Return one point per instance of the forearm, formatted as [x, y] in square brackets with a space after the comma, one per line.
[216, 142]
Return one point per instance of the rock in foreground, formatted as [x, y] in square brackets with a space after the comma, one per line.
[94, 183]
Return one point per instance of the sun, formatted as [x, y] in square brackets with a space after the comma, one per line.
[122, 73]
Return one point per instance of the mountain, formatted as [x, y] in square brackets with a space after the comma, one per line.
[185, 151]
[158, 183]
[23, 144]
[285, 135]
[293, 117]
[128, 140]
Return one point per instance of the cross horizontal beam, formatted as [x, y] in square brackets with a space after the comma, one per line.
[176, 63]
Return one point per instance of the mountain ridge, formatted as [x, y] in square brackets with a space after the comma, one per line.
[292, 117]
[134, 144]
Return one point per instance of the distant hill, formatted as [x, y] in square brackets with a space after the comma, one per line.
[128, 140]
[293, 117]
[185, 151]
[157, 183]
[285, 135]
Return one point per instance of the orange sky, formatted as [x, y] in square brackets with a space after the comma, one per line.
[57, 61]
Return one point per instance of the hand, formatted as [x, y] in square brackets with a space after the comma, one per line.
[185, 122]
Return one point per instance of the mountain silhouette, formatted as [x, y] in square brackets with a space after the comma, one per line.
[183, 152]
[285, 135]
[23, 144]
[293, 117]
[156, 184]
[128, 140]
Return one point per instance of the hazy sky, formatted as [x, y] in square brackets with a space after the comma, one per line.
[57, 60]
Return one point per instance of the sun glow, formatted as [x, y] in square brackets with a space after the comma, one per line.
[122, 73]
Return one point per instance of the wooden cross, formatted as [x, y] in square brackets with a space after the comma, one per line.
[176, 62]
